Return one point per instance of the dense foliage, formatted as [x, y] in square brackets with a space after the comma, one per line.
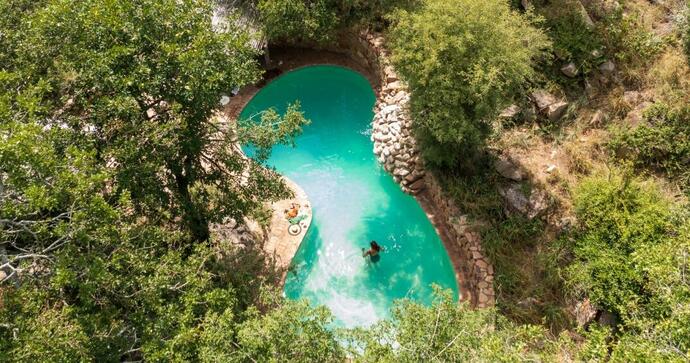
[112, 170]
[115, 166]
[661, 144]
[462, 66]
[448, 332]
[631, 260]
[574, 41]
[320, 20]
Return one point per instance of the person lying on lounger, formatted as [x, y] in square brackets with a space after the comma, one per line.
[293, 211]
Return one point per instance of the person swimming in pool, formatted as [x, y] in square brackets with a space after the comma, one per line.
[373, 251]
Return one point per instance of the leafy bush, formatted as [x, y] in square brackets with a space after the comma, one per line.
[297, 19]
[320, 20]
[448, 332]
[627, 38]
[663, 144]
[462, 66]
[574, 41]
[621, 219]
[630, 259]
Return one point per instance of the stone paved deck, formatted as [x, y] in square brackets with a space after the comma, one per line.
[280, 244]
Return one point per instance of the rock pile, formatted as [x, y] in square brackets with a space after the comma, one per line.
[394, 145]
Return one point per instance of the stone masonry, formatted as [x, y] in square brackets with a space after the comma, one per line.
[396, 149]
[394, 145]
[476, 268]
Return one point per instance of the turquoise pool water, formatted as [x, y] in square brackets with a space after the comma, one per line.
[353, 200]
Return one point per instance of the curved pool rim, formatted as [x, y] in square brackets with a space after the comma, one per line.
[456, 282]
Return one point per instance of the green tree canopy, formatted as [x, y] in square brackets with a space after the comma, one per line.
[139, 82]
[463, 60]
[631, 259]
[320, 20]
[112, 167]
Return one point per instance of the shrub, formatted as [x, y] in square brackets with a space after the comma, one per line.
[631, 258]
[320, 20]
[297, 19]
[628, 39]
[462, 66]
[625, 224]
[574, 41]
[663, 144]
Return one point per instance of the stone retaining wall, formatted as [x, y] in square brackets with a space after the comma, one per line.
[394, 145]
[476, 268]
[396, 149]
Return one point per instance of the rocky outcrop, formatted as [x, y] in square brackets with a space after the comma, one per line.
[584, 312]
[549, 105]
[394, 145]
[570, 70]
[531, 205]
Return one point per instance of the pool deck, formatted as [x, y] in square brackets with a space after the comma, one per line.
[280, 244]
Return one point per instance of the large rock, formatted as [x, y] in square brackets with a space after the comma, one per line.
[632, 98]
[393, 86]
[388, 109]
[570, 70]
[556, 110]
[517, 201]
[418, 185]
[510, 112]
[636, 116]
[543, 99]
[607, 67]
[508, 170]
[608, 319]
[584, 312]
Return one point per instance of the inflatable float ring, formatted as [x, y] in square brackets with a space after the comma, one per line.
[294, 229]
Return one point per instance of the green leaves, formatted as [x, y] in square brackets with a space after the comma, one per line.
[292, 332]
[462, 64]
[271, 129]
[320, 21]
[661, 144]
[298, 19]
[629, 260]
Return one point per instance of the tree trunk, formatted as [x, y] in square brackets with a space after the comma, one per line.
[194, 218]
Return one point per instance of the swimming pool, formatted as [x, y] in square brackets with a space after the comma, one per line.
[353, 201]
